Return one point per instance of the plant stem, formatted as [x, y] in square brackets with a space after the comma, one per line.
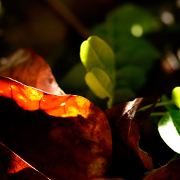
[158, 113]
[164, 103]
[157, 105]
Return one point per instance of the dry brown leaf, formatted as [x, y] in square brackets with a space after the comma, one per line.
[29, 68]
[13, 167]
[64, 137]
[126, 127]
[168, 172]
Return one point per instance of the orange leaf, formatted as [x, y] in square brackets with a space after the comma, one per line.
[29, 68]
[65, 137]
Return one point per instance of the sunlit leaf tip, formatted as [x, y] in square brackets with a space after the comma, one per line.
[176, 96]
[95, 52]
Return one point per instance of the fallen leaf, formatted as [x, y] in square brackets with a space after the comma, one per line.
[125, 125]
[13, 167]
[64, 137]
[169, 171]
[29, 68]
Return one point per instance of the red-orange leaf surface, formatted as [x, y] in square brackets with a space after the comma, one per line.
[29, 68]
[64, 137]
[13, 167]
[126, 127]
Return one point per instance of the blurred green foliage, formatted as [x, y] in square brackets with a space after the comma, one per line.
[132, 31]
[134, 54]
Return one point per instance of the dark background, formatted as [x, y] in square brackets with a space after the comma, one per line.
[56, 34]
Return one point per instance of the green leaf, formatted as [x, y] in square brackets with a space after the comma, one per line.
[100, 83]
[120, 22]
[129, 50]
[169, 129]
[74, 79]
[123, 94]
[131, 76]
[133, 51]
[95, 52]
[116, 30]
[125, 17]
[95, 100]
[98, 59]
[176, 96]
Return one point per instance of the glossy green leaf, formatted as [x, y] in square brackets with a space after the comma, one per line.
[169, 129]
[176, 96]
[98, 59]
[100, 83]
[95, 52]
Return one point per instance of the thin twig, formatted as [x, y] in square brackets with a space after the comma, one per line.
[62, 10]
[157, 105]
[158, 113]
